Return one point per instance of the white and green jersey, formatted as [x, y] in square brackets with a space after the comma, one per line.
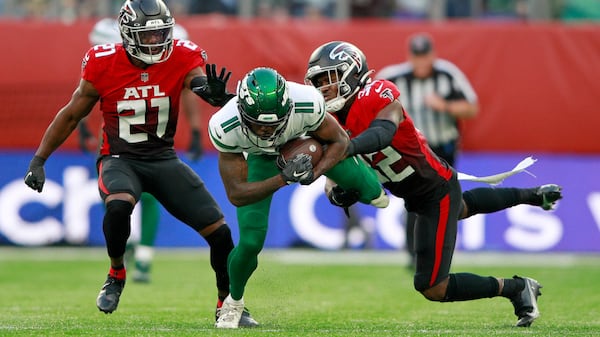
[225, 126]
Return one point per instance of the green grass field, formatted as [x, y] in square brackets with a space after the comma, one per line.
[52, 292]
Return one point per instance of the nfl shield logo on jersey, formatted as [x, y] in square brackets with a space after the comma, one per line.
[144, 77]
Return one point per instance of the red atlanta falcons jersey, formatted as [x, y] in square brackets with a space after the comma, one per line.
[139, 106]
[407, 167]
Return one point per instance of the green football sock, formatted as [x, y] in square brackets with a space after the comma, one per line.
[150, 218]
[353, 173]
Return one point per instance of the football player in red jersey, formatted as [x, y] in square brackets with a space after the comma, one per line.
[383, 133]
[140, 249]
[138, 84]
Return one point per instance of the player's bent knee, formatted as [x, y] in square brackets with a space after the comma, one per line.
[435, 293]
[120, 209]
[219, 235]
[421, 282]
[116, 226]
[208, 230]
[250, 247]
[119, 196]
[252, 242]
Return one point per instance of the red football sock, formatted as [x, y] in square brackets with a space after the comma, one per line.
[117, 272]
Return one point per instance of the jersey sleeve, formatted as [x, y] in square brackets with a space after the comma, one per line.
[89, 67]
[192, 56]
[224, 129]
[312, 108]
[377, 95]
[318, 105]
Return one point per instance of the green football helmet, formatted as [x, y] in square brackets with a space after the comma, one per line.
[264, 104]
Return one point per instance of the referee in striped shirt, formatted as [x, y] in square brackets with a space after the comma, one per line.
[436, 94]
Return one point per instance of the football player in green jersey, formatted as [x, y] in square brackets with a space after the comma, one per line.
[267, 112]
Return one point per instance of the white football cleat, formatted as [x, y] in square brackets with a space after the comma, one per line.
[230, 313]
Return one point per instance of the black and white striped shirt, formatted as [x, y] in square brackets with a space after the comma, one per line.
[447, 81]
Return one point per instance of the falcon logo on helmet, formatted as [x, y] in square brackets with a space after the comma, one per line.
[337, 64]
[127, 14]
[345, 52]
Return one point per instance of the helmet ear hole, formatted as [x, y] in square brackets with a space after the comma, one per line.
[344, 89]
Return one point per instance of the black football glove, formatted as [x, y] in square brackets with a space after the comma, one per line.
[195, 149]
[343, 198]
[211, 88]
[35, 176]
[298, 169]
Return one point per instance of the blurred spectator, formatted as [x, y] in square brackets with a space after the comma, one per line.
[313, 12]
[272, 10]
[372, 8]
[36, 9]
[413, 9]
[69, 12]
[502, 8]
[179, 7]
[577, 10]
[312, 9]
[458, 9]
[65, 11]
[227, 7]
[569, 10]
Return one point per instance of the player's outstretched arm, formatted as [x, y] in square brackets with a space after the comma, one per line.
[66, 120]
[380, 132]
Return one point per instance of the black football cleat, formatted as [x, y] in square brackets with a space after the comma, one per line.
[108, 298]
[247, 321]
[525, 302]
[549, 194]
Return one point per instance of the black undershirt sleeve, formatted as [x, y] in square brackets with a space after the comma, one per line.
[379, 135]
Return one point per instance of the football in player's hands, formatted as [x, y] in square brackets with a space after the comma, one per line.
[302, 145]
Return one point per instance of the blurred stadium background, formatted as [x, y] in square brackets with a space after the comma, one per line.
[533, 63]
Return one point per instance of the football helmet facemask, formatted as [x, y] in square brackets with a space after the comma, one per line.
[345, 66]
[265, 106]
[146, 27]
